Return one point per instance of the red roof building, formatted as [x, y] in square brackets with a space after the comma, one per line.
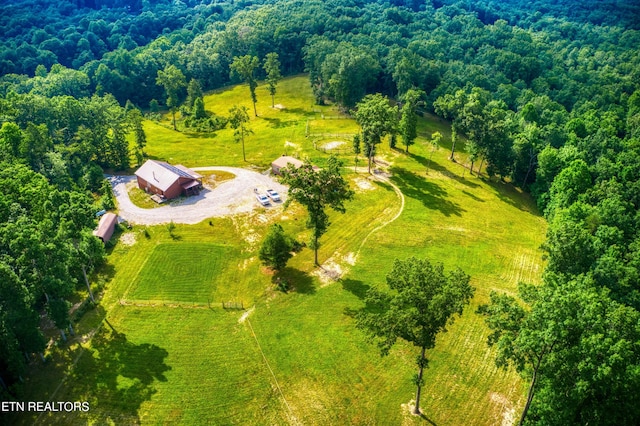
[158, 177]
[106, 226]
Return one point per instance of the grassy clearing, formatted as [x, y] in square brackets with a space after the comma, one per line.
[211, 178]
[276, 131]
[202, 366]
[140, 198]
[184, 273]
[168, 365]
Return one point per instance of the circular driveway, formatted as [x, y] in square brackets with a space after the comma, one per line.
[230, 197]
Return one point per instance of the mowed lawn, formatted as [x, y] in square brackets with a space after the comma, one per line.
[150, 365]
[185, 272]
[307, 363]
[276, 131]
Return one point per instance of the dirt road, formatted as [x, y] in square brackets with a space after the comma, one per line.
[230, 197]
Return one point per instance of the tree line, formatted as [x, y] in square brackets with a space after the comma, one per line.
[549, 102]
[75, 32]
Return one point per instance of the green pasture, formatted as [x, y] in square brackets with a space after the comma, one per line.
[298, 358]
[171, 366]
[185, 273]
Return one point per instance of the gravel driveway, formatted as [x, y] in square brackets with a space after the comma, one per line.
[230, 197]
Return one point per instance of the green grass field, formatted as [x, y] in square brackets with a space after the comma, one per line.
[298, 358]
[184, 273]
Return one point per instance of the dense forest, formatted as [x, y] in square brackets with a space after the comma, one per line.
[547, 93]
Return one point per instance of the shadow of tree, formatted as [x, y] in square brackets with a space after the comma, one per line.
[116, 376]
[432, 195]
[427, 419]
[510, 195]
[473, 196]
[299, 112]
[277, 123]
[199, 135]
[433, 166]
[298, 280]
[358, 288]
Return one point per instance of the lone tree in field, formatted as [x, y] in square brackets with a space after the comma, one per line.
[409, 121]
[238, 120]
[172, 79]
[421, 303]
[376, 118]
[272, 68]
[451, 108]
[276, 248]
[317, 190]
[356, 150]
[245, 67]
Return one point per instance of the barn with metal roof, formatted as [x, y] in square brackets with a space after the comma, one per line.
[158, 177]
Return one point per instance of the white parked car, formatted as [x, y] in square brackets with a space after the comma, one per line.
[273, 195]
[262, 199]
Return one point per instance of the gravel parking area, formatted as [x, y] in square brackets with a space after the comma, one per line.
[230, 197]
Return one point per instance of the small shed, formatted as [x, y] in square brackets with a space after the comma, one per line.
[283, 162]
[106, 226]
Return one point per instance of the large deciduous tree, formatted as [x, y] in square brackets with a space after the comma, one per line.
[276, 248]
[376, 118]
[173, 81]
[134, 118]
[272, 68]
[40, 264]
[245, 67]
[316, 190]
[408, 120]
[238, 121]
[194, 91]
[577, 347]
[350, 72]
[422, 301]
[450, 107]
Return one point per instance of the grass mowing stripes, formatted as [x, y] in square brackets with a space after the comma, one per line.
[204, 367]
[172, 366]
[184, 272]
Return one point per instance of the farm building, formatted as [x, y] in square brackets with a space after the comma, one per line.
[106, 226]
[158, 177]
[283, 162]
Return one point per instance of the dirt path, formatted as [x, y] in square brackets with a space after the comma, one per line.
[386, 222]
[336, 266]
[230, 197]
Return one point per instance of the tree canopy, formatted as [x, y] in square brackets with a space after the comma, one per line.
[422, 301]
[316, 190]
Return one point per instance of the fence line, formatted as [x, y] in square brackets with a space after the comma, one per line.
[231, 305]
[331, 135]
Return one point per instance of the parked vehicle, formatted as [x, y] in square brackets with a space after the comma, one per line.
[262, 199]
[273, 195]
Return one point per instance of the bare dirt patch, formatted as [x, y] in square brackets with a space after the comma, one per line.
[279, 106]
[364, 184]
[246, 263]
[332, 145]
[214, 178]
[508, 412]
[244, 316]
[128, 239]
[331, 271]
[453, 228]
[408, 418]
[350, 258]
